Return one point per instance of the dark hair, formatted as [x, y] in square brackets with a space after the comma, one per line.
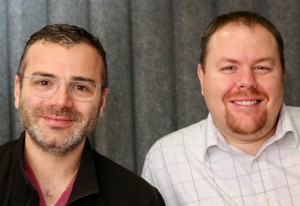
[249, 19]
[66, 35]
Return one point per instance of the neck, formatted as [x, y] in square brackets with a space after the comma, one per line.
[53, 172]
[47, 163]
[250, 144]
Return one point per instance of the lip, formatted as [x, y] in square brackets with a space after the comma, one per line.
[246, 102]
[57, 121]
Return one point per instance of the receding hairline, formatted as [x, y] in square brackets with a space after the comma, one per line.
[65, 45]
[240, 22]
[246, 18]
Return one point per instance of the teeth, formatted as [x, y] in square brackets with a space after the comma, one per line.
[246, 102]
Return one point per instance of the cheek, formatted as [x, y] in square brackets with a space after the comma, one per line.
[273, 87]
[36, 102]
[31, 101]
[216, 89]
[86, 108]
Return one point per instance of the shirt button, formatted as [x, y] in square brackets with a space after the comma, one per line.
[267, 199]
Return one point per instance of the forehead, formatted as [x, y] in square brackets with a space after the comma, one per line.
[238, 37]
[64, 61]
[240, 29]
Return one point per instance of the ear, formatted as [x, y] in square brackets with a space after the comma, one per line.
[103, 101]
[201, 77]
[17, 91]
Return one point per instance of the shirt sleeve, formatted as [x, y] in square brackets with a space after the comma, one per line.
[148, 172]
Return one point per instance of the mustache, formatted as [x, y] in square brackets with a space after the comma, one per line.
[64, 112]
[248, 93]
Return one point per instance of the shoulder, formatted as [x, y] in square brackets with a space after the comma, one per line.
[9, 159]
[117, 182]
[186, 144]
[116, 173]
[14, 146]
[175, 152]
[6, 158]
[293, 111]
[7, 149]
[186, 137]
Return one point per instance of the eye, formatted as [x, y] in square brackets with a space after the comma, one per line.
[79, 87]
[42, 82]
[262, 69]
[82, 87]
[229, 69]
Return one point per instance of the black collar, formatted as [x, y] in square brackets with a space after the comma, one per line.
[86, 180]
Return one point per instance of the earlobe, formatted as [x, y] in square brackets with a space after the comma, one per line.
[201, 77]
[17, 91]
[103, 101]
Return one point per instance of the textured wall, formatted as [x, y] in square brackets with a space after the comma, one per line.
[152, 49]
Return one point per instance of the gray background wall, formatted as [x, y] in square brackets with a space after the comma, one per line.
[152, 49]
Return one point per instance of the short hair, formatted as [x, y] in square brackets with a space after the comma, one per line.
[66, 35]
[246, 17]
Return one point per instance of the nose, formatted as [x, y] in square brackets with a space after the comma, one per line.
[61, 97]
[246, 80]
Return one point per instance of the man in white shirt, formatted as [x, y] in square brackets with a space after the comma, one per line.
[247, 150]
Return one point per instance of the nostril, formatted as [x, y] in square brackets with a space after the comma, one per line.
[247, 86]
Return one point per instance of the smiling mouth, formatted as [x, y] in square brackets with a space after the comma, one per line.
[247, 103]
[57, 118]
[58, 122]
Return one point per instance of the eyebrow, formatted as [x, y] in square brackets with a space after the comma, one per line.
[74, 78]
[79, 78]
[269, 59]
[226, 59]
[43, 74]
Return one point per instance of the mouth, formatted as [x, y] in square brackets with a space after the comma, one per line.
[246, 102]
[57, 121]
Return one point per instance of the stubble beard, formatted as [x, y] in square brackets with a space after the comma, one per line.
[63, 141]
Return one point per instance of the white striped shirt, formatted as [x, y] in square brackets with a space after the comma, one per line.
[196, 166]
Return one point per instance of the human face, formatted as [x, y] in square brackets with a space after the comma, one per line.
[58, 124]
[243, 82]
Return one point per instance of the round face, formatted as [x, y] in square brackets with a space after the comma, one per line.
[242, 82]
[58, 124]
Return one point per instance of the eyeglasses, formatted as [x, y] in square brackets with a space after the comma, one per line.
[43, 86]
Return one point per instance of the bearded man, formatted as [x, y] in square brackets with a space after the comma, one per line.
[247, 151]
[60, 91]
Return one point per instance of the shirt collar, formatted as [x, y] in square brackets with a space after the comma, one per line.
[285, 129]
[86, 180]
[210, 137]
[286, 124]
